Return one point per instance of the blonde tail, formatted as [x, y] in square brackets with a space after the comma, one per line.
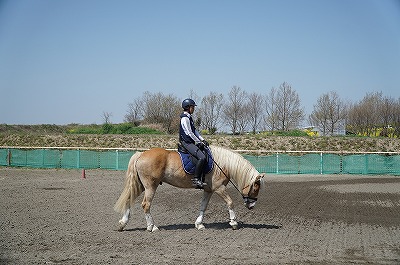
[133, 187]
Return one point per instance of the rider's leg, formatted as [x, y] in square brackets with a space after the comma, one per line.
[198, 174]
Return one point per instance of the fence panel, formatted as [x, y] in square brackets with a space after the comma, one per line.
[18, 158]
[123, 159]
[310, 164]
[394, 165]
[70, 159]
[331, 164]
[266, 163]
[52, 158]
[354, 164]
[4, 157]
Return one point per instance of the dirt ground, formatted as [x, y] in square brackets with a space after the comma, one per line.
[56, 217]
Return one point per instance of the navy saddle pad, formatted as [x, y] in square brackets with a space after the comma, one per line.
[189, 167]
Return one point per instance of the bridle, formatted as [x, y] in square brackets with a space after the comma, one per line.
[246, 198]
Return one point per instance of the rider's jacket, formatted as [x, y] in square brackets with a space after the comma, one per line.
[183, 137]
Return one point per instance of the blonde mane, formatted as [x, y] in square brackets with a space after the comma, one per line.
[240, 170]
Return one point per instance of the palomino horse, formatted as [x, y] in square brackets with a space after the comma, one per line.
[146, 170]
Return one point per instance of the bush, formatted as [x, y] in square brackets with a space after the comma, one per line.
[107, 128]
[291, 133]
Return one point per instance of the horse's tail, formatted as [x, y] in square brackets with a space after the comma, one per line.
[133, 186]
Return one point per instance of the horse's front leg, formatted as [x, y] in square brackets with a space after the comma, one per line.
[232, 216]
[204, 202]
[146, 204]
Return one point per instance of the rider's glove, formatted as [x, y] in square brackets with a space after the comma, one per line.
[200, 145]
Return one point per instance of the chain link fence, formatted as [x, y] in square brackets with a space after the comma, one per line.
[275, 163]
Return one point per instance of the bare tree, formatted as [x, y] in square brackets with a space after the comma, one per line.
[107, 117]
[234, 108]
[135, 112]
[364, 115]
[161, 109]
[286, 111]
[255, 109]
[210, 111]
[387, 110]
[375, 114]
[329, 113]
[244, 118]
[193, 95]
[171, 107]
[396, 118]
[271, 110]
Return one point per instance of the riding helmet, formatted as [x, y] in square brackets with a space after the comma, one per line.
[187, 103]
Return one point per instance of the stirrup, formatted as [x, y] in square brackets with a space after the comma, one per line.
[198, 184]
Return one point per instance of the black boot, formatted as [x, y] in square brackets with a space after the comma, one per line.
[198, 174]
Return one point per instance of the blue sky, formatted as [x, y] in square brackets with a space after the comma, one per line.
[69, 61]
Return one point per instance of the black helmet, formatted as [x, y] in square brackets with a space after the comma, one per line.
[187, 103]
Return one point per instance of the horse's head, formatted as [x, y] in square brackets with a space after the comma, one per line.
[252, 192]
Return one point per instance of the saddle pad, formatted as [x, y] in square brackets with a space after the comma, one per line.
[189, 167]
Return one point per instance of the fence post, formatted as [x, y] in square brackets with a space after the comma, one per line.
[78, 165]
[321, 164]
[117, 160]
[277, 163]
[9, 157]
[43, 151]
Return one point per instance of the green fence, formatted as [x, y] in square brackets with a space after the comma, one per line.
[277, 163]
[62, 158]
[326, 163]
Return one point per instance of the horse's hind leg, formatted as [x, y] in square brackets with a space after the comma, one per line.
[146, 204]
[232, 216]
[124, 220]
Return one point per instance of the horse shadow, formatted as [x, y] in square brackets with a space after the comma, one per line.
[215, 226]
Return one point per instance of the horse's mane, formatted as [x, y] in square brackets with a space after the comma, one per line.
[239, 169]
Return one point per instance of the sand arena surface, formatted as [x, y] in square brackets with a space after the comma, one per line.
[56, 217]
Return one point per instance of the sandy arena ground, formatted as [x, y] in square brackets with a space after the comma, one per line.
[56, 217]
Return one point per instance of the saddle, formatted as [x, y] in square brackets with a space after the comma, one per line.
[188, 163]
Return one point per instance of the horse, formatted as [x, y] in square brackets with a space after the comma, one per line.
[148, 169]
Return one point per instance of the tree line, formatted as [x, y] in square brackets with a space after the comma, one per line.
[279, 109]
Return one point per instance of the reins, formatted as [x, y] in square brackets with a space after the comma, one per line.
[245, 198]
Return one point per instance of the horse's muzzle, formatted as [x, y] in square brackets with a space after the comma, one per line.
[249, 202]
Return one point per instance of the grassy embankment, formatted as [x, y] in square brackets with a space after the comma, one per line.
[128, 136]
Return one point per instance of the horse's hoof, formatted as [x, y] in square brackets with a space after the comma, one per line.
[152, 228]
[234, 225]
[200, 226]
[121, 226]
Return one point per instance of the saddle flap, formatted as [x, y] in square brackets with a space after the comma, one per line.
[182, 149]
[190, 167]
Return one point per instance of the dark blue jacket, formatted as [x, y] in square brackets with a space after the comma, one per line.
[183, 137]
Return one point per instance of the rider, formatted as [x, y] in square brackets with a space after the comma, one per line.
[192, 141]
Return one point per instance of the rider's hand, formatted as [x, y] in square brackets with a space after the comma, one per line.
[200, 145]
[205, 143]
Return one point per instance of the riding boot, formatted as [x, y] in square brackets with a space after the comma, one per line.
[198, 174]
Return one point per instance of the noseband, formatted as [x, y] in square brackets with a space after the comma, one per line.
[247, 199]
